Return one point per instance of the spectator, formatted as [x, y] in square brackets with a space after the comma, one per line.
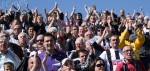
[5, 54]
[67, 65]
[54, 55]
[8, 66]
[129, 63]
[114, 55]
[34, 63]
[99, 64]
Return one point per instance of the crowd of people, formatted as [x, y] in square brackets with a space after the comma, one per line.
[103, 41]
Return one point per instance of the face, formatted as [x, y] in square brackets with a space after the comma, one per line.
[128, 52]
[100, 32]
[75, 31]
[88, 35]
[16, 29]
[68, 66]
[49, 43]
[121, 12]
[31, 63]
[99, 66]
[79, 45]
[114, 41]
[81, 31]
[92, 19]
[83, 56]
[39, 19]
[22, 38]
[8, 68]
[39, 41]
[31, 31]
[68, 29]
[4, 40]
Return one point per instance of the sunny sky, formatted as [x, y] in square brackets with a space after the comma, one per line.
[66, 5]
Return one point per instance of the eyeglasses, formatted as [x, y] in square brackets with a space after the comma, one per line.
[40, 40]
[99, 30]
[100, 65]
[126, 51]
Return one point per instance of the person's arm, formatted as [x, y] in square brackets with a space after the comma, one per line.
[35, 16]
[133, 16]
[55, 7]
[139, 40]
[88, 15]
[102, 37]
[141, 9]
[67, 19]
[86, 10]
[112, 16]
[35, 63]
[98, 16]
[51, 23]
[44, 62]
[73, 10]
[46, 15]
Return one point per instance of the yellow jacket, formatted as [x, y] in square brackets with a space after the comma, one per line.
[136, 44]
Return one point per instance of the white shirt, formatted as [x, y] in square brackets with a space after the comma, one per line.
[113, 58]
[13, 40]
[9, 57]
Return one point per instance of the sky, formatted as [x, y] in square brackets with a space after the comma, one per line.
[67, 5]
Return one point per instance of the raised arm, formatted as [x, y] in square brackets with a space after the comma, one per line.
[44, 62]
[133, 16]
[35, 16]
[141, 9]
[67, 19]
[112, 16]
[73, 10]
[55, 7]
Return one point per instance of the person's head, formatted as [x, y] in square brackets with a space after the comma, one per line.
[146, 19]
[16, 29]
[74, 31]
[31, 62]
[67, 65]
[92, 19]
[100, 30]
[114, 41]
[40, 19]
[122, 12]
[127, 52]
[23, 17]
[99, 64]
[22, 38]
[81, 31]
[15, 22]
[83, 54]
[4, 41]
[79, 43]
[53, 30]
[68, 29]
[39, 41]
[88, 35]
[9, 66]
[30, 30]
[49, 42]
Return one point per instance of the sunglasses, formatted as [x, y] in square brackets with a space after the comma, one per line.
[40, 40]
[99, 65]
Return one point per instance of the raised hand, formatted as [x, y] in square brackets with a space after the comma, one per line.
[112, 10]
[66, 14]
[74, 8]
[141, 8]
[56, 5]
